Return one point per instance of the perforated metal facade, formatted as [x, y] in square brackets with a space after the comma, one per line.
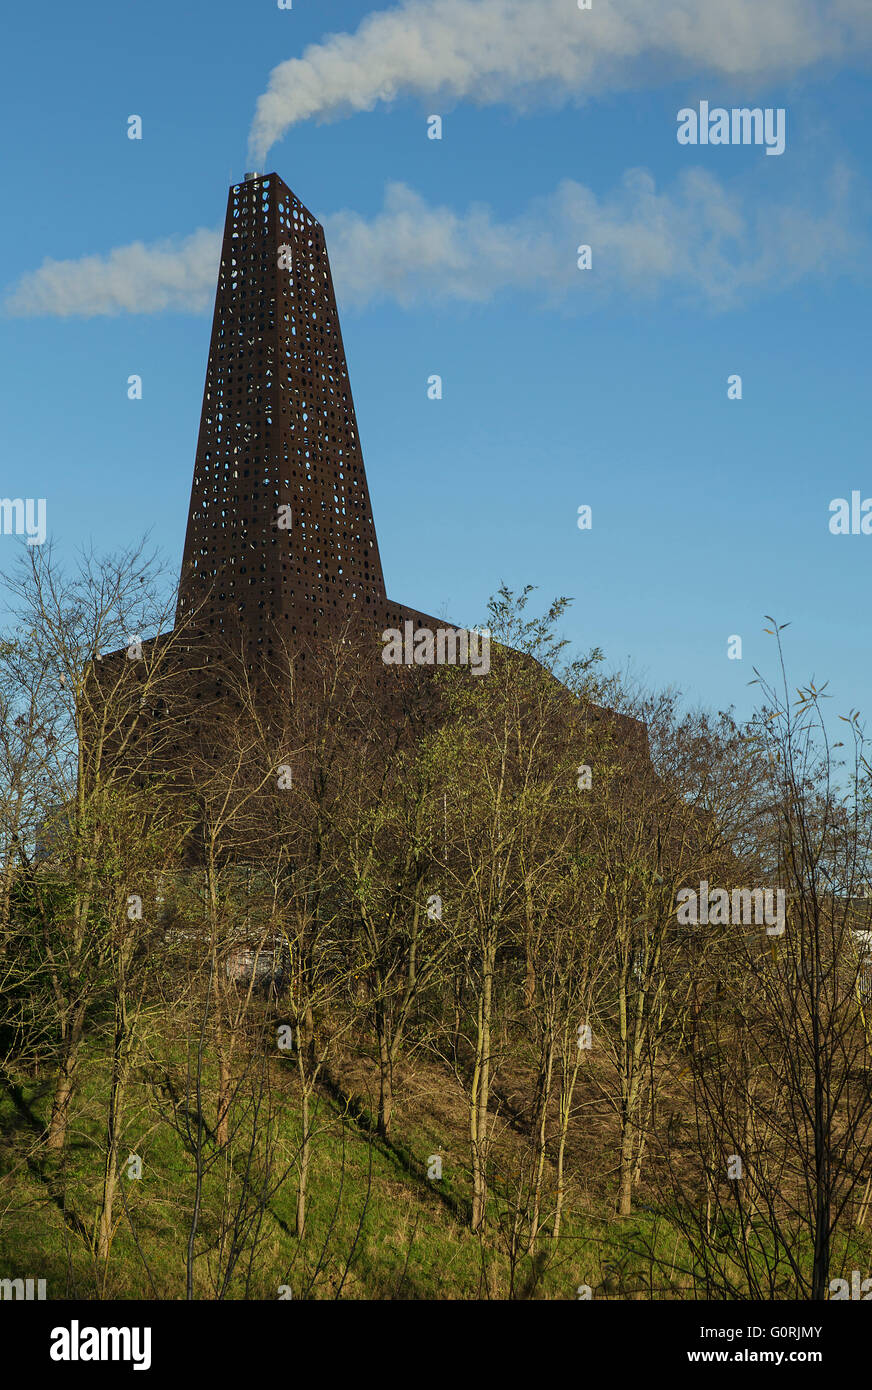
[281, 536]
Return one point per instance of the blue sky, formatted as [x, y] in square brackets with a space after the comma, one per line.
[561, 387]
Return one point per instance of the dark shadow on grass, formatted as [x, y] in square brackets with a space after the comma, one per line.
[354, 1108]
[46, 1172]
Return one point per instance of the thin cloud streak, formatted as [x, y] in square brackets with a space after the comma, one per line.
[707, 243]
[134, 279]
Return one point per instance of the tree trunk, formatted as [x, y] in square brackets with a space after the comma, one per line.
[222, 1128]
[541, 1138]
[65, 1085]
[303, 1184]
[625, 1199]
[118, 1087]
[385, 1073]
[481, 1093]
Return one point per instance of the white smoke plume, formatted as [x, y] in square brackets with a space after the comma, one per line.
[522, 51]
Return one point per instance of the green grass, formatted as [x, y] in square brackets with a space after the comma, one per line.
[377, 1227]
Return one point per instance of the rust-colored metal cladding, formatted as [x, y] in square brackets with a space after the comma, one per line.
[281, 574]
[281, 544]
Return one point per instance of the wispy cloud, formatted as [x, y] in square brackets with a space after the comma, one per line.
[699, 238]
[531, 50]
[702, 240]
[134, 279]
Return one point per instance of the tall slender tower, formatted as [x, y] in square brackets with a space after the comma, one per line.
[280, 551]
[281, 538]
